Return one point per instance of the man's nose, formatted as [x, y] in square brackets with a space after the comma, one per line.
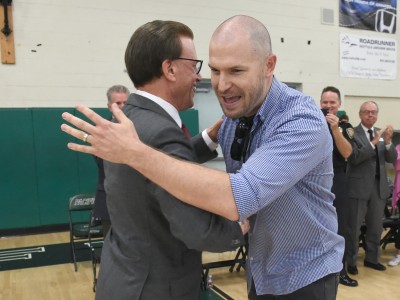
[224, 83]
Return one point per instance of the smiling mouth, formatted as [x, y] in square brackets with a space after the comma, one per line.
[231, 99]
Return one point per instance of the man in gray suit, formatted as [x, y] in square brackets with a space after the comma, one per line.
[153, 250]
[368, 185]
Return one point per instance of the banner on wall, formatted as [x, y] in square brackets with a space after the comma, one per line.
[368, 57]
[380, 16]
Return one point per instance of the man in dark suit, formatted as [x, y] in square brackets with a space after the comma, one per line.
[153, 249]
[116, 94]
[368, 185]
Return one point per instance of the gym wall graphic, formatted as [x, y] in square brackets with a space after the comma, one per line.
[379, 16]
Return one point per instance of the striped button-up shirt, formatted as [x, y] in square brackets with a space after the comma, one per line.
[284, 189]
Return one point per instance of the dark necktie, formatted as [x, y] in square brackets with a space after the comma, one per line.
[371, 137]
[186, 131]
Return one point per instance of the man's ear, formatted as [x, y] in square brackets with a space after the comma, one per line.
[270, 64]
[168, 69]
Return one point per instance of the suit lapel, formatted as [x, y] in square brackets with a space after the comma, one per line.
[361, 133]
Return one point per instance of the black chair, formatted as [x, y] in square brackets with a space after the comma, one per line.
[80, 229]
[391, 223]
[239, 260]
[96, 245]
[361, 238]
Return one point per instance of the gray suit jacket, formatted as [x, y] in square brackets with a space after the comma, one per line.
[362, 164]
[154, 247]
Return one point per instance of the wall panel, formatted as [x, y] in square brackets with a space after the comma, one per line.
[19, 205]
[38, 172]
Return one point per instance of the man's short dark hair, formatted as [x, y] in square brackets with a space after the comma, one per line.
[150, 45]
[333, 90]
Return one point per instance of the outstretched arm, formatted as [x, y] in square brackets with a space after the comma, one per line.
[205, 188]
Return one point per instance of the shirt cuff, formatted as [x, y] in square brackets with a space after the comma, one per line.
[372, 145]
[209, 142]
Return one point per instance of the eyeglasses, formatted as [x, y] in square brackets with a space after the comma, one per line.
[370, 112]
[199, 63]
[240, 141]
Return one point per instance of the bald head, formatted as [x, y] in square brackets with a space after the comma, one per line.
[247, 30]
[242, 65]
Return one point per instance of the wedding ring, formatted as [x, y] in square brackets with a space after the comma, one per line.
[85, 137]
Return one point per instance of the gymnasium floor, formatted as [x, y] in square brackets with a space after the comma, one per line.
[61, 282]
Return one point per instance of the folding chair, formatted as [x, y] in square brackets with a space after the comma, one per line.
[362, 242]
[392, 224]
[240, 260]
[79, 211]
[96, 245]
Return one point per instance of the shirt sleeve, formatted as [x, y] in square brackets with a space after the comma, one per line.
[284, 155]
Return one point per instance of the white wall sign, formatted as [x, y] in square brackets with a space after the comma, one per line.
[368, 57]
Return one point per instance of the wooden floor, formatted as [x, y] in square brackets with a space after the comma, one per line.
[61, 282]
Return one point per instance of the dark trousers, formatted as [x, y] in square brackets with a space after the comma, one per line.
[322, 289]
[341, 203]
[370, 210]
[106, 226]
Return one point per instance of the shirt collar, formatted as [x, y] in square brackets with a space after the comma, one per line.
[366, 129]
[269, 104]
[168, 107]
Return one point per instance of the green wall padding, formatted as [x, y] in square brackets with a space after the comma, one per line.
[18, 185]
[191, 119]
[38, 173]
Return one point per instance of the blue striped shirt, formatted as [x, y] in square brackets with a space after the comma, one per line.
[284, 189]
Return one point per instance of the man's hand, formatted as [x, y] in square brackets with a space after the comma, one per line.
[245, 225]
[333, 121]
[388, 134]
[378, 135]
[213, 130]
[109, 141]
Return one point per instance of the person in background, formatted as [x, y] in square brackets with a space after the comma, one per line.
[153, 249]
[396, 184]
[395, 204]
[342, 136]
[368, 185]
[344, 119]
[116, 94]
[278, 152]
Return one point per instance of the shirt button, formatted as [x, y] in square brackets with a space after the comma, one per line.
[251, 258]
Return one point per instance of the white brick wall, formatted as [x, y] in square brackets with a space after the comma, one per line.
[83, 44]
